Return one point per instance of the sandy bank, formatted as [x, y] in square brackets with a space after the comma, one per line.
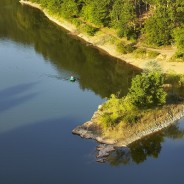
[99, 41]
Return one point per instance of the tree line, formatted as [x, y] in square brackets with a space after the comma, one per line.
[155, 22]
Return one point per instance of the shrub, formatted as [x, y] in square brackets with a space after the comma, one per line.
[120, 33]
[117, 110]
[147, 91]
[179, 39]
[76, 22]
[152, 54]
[179, 55]
[121, 48]
[91, 31]
[132, 117]
[139, 53]
[143, 53]
[130, 48]
[181, 81]
[109, 120]
[125, 49]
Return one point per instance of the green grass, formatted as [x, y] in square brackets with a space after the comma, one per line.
[124, 48]
[143, 53]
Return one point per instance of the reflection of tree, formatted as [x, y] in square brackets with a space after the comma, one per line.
[149, 147]
[174, 132]
[139, 151]
[120, 156]
[102, 74]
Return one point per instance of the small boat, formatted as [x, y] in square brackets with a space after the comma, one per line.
[72, 79]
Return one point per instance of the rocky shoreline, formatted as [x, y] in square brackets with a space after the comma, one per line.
[89, 130]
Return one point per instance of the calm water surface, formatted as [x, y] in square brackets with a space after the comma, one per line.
[39, 108]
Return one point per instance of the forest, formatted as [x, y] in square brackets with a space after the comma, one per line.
[155, 23]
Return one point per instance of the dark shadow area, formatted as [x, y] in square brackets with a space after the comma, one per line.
[14, 96]
[16, 90]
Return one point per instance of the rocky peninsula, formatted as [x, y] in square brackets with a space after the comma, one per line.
[166, 117]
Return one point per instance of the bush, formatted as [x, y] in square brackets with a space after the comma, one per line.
[117, 110]
[147, 91]
[152, 54]
[176, 80]
[181, 81]
[112, 112]
[132, 118]
[139, 53]
[76, 22]
[172, 78]
[109, 120]
[179, 39]
[130, 48]
[91, 31]
[143, 53]
[129, 33]
[120, 33]
[121, 48]
[179, 55]
[125, 49]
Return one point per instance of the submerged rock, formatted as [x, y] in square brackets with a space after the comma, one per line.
[101, 160]
[104, 150]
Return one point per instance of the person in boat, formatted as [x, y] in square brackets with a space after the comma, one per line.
[72, 79]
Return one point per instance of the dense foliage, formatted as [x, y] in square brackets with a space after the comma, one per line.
[146, 92]
[179, 39]
[156, 22]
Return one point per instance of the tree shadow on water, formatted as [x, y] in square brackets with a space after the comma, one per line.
[16, 95]
[150, 146]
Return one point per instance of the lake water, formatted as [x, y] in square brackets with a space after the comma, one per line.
[39, 107]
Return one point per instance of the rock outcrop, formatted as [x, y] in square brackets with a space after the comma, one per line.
[91, 130]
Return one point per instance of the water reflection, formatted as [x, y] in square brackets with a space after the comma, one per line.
[97, 72]
[139, 151]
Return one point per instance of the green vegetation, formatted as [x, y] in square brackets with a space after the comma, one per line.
[117, 110]
[176, 83]
[154, 22]
[145, 95]
[125, 48]
[90, 30]
[143, 53]
[146, 92]
[179, 39]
